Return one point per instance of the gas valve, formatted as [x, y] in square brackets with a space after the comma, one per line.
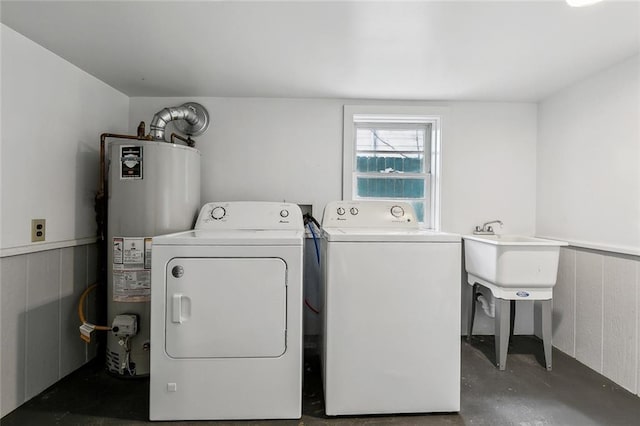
[125, 325]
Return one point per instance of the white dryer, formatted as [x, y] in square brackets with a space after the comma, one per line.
[391, 334]
[226, 315]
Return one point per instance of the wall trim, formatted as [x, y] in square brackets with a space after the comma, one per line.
[599, 247]
[34, 248]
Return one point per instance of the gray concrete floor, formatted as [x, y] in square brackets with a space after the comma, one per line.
[525, 394]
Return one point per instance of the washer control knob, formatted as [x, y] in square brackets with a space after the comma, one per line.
[353, 211]
[218, 213]
[340, 211]
[397, 211]
[284, 213]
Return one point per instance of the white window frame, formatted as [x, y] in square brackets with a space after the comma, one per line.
[390, 114]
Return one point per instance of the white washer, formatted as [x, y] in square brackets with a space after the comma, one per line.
[226, 315]
[391, 336]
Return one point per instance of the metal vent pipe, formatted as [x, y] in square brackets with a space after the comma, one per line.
[192, 119]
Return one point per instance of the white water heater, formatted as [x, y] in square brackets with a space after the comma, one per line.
[153, 189]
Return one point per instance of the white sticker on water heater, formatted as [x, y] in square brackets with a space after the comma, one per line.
[131, 269]
[131, 285]
[134, 251]
[118, 247]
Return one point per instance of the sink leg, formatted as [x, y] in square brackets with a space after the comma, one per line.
[472, 314]
[512, 318]
[502, 322]
[546, 331]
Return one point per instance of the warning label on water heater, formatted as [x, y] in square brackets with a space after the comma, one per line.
[131, 269]
[130, 162]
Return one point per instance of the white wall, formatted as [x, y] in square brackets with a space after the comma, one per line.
[52, 116]
[489, 166]
[588, 176]
[265, 149]
[589, 161]
[291, 149]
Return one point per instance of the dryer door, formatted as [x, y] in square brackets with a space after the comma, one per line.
[225, 307]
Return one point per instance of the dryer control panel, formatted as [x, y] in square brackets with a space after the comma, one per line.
[369, 214]
[250, 215]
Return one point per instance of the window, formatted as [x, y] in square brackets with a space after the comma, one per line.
[393, 155]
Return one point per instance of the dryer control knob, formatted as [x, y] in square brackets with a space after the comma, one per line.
[353, 211]
[284, 213]
[340, 211]
[397, 211]
[218, 213]
[177, 271]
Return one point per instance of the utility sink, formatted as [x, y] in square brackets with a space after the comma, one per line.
[513, 266]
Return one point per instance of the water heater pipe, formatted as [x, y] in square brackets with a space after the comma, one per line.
[187, 140]
[195, 120]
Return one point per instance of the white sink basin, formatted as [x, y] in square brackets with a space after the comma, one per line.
[513, 266]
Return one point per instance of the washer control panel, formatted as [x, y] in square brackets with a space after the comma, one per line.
[369, 214]
[250, 215]
[397, 212]
[218, 213]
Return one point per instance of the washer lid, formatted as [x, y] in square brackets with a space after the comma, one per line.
[388, 235]
[249, 237]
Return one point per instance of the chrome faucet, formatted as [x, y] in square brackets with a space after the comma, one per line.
[486, 228]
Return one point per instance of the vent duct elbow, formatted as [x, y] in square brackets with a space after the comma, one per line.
[191, 119]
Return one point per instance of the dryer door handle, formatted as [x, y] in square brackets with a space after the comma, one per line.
[177, 309]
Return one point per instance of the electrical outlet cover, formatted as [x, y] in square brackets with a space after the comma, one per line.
[38, 230]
